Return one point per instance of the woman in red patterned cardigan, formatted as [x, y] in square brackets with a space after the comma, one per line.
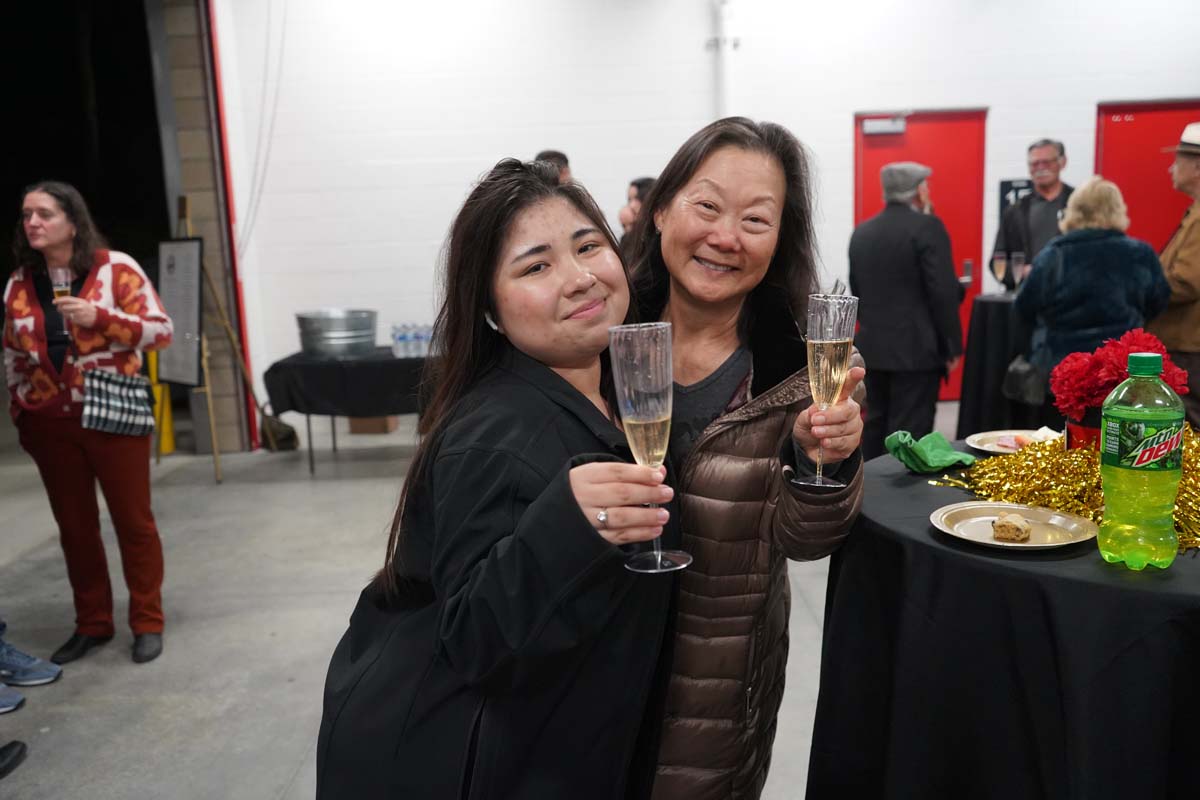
[111, 315]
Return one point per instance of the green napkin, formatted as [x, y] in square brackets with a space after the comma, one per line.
[931, 454]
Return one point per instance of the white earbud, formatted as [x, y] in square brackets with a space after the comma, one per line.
[487, 317]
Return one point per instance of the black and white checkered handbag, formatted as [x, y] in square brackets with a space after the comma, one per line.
[115, 403]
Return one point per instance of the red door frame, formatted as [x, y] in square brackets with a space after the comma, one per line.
[226, 178]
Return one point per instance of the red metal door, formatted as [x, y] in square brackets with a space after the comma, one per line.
[952, 144]
[1129, 142]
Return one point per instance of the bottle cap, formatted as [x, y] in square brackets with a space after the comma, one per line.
[1145, 364]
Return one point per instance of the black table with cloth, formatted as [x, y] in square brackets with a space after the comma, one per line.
[377, 385]
[953, 670]
[996, 335]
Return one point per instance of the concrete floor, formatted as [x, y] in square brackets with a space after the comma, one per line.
[261, 575]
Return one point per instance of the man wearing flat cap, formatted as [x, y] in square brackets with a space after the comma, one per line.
[909, 333]
[1179, 325]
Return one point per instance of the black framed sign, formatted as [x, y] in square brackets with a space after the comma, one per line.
[1011, 192]
[179, 266]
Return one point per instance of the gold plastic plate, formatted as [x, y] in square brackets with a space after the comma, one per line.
[972, 522]
[990, 441]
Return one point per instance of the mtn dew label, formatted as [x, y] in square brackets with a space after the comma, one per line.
[1141, 460]
[1141, 444]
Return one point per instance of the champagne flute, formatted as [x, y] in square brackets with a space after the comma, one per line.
[831, 321]
[641, 364]
[1000, 268]
[1018, 266]
[60, 282]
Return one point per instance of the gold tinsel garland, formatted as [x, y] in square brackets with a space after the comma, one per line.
[1047, 474]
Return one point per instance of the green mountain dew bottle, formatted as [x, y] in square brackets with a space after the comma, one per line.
[1141, 459]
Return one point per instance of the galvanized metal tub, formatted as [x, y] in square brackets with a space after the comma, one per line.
[337, 332]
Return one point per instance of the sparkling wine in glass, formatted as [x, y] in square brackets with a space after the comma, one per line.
[831, 321]
[1018, 267]
[642, 376]
[60, 282]
[1000, 267]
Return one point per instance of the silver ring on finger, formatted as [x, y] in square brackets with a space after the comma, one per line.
[602, 518]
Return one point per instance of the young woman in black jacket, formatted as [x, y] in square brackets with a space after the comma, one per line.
[504, 651]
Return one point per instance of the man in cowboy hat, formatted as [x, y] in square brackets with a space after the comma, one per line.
[1179, 325]
[908, 295]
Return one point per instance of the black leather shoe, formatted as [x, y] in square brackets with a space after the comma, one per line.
[77, 647]
[146, 647]
[11, 755]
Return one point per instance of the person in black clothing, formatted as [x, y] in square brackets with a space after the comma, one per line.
[559, 160]
[635, 195]
[909, 332]
[504, 651]
[1029, 224]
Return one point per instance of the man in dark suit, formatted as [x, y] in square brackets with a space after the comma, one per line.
[909, 333]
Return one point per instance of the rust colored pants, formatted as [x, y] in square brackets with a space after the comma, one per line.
[71, 459]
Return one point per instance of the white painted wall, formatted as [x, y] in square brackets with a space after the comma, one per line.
[388, 111]
[1039, 66]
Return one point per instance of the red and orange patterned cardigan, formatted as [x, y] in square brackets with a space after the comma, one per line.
[129, 318]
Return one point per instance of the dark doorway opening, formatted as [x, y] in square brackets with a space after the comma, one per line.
[81, 109]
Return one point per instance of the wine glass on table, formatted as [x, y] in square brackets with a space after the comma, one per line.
[1000, 268]
[831, 321]
[642, 377]
[60, 282]
[1018, 268]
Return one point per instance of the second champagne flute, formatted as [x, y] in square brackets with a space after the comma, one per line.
[1018, 268]
[643, 379]
[60, 282]
[831, 321]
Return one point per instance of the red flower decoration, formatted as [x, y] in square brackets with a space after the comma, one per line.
[1083, 380]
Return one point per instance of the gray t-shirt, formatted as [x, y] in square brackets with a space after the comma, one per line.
[1043, 221]
[696, 406]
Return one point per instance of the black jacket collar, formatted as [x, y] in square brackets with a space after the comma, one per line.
[555, 387]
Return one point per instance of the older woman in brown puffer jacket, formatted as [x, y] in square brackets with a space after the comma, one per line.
[726, 255]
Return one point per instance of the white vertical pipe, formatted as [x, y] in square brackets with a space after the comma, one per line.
[723, 43]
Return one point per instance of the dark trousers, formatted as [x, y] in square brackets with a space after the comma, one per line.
[898, 401]
[71, 459]
[1191, 400]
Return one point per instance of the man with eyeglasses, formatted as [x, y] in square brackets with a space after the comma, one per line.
[1032, 221]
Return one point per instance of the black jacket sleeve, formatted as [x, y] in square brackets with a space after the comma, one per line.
[1007, 240]
[942, 289]
[1158, 292]
[517, 585]
[1035, 294]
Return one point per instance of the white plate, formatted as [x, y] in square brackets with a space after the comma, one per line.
[972, 522]
[988, 441]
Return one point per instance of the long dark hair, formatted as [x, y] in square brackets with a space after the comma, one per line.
[466, 346]
[86, 242]
[782, 296]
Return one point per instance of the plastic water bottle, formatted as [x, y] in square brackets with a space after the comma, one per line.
[1141, 460]
[422, 341]
[400, 340]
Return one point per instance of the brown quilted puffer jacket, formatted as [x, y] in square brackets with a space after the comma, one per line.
[742, 521]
